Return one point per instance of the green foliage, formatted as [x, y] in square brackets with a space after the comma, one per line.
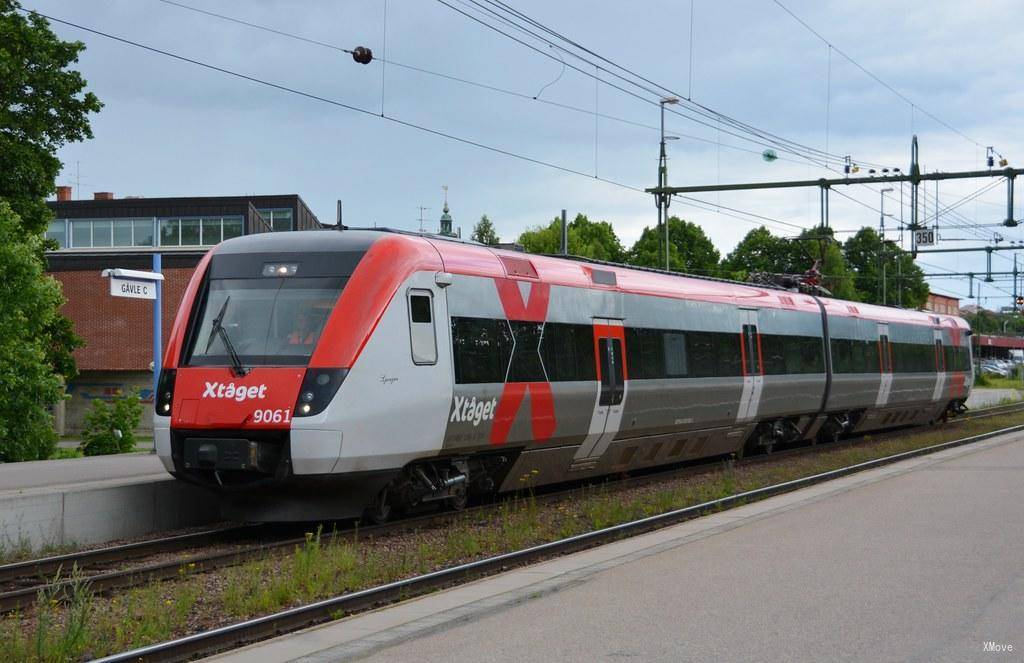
[820, 243]
[984, 321]
[61, 453]
[29, 301]
[484, 233]
[43, 106]
[590, 239]
[867, 255]
[110, 427]
[761, 251]
[690, 250]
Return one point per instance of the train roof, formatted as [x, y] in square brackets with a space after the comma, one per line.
[470, 258]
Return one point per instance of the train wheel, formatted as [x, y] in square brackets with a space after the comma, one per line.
[381, 510]
[828, 434]
[458, 501]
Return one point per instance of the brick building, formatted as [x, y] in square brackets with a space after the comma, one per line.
[942, 304]
[108, 232]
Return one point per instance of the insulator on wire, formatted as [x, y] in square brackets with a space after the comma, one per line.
[362, 55]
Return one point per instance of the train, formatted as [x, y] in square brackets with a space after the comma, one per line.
[361, 373]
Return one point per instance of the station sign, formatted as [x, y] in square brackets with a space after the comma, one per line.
[924, 237]
[132, 283]
[136, 289]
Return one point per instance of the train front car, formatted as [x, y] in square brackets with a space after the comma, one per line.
[260, 354]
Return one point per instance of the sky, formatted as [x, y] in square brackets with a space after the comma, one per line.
[172, 128]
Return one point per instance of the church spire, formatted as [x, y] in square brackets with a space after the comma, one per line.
[446, 218]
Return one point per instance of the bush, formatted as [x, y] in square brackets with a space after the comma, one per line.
[110, 427]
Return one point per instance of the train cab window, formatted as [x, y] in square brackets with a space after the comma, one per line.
[421, 327]
[419, 308]
[262, 321]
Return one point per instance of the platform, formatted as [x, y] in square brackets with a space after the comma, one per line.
[982, 397]
[919, 560]
[94, 500]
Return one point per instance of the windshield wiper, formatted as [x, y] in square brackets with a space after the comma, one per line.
[219, 330]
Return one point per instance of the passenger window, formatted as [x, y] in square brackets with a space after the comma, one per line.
[421, 327]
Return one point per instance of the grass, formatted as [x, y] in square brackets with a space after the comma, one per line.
[997, 382]
[22, 549]
[331, 564]
[63, 453]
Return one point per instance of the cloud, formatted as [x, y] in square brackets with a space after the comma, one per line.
[171, 128]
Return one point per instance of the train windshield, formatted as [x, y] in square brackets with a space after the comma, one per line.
[263, 322]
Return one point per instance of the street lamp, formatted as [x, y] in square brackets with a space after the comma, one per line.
[663, 200]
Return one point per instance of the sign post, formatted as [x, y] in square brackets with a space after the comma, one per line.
[158, 326]
[136, 284]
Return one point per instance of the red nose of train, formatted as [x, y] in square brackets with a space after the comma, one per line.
[216, 397]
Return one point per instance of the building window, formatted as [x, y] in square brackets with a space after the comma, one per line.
[58, 231]
[170, 232]
[190, 234]
[278, 219]
[142, 232]
[199, 231]
[123, 232]
[232, 227]
[105, 233]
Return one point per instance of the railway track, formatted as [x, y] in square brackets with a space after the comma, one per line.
[253, 630]
[121, 567]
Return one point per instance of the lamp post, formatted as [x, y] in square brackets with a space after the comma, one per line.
[881, 232]
[663, 199]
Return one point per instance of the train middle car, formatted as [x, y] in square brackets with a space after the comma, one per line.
[320, 374]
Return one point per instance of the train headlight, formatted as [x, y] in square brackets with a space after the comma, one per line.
[164, 397]
[318, 388]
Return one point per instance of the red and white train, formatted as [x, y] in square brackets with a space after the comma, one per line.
[317, 374]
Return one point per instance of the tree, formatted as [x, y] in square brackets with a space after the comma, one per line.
[904, 281]
[29, 300]
[690, 250]
[820, 244]
[43, 105]
[590, 239]
[483, 232]
[760, 251]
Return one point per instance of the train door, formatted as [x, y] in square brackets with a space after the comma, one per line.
[753, 374]
[610, 351]
[940, 366]
[884, 365]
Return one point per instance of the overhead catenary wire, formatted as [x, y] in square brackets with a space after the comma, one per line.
[913, 106]
[658, 90]
[308, 95]
[487, 86]
[705, 114]
[694, 201]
